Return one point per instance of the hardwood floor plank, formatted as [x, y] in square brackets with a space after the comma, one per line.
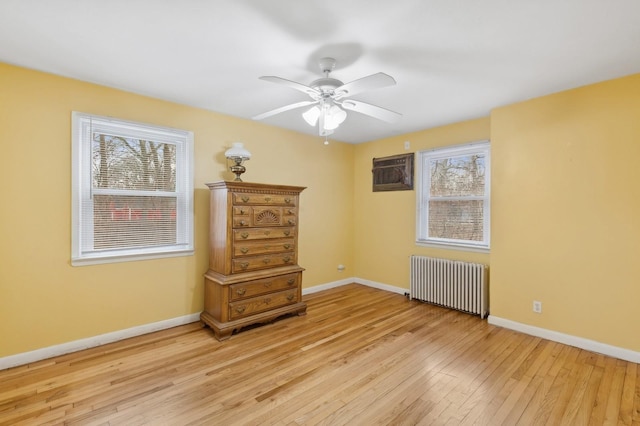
[552, 387]
[636, 399]
[527, 406]
[359, 356]
[628, 393]
[576, 389]
[488, 398]
[604, 390]
[615, 395]
[523, 378]
[585, 409]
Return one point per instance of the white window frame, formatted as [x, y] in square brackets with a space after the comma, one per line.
[82, 251]
[423, 197]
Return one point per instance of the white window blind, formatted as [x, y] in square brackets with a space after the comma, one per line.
[454, 196]
[132, 190]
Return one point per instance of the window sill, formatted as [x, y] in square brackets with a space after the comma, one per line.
[453, 246]
[84, 261]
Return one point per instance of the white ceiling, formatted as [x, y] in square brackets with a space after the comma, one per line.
[452, 59]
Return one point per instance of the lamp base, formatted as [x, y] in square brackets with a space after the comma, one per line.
[237, 169]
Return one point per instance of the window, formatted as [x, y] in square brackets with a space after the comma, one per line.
[453, 197]
[132, 194]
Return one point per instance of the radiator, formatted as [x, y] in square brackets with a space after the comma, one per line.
[453, 284]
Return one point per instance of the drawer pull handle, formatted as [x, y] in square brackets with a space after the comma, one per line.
[266, 260]
[244, 250]
[243, 223]
[245, 199]
[287, 200]
[290, 297]
[291, 222]
[240, 309]
[267, 232]
[267, 300]
[267, 285]
[287, 259]
[242, 211]
[291, 281]
[287, 246]
[287, 232]
[267, 199]
[241, 291]
[244, 265]
[291, 211]
[245, 235]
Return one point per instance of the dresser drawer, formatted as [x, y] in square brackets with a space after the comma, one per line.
[247, 198]
[289, 211]
[253, 248]
[242, 211]
[263, 216]
[262, 233]
[263, 303]
[267, 285]
[245, 264]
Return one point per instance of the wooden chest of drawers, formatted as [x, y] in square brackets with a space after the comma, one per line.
[253, 273]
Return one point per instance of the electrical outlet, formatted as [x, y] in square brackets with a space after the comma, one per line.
[537, 307]
[407, 145]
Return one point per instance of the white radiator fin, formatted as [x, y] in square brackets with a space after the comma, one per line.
[450, 283]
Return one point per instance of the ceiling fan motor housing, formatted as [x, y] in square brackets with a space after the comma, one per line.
[326, 84]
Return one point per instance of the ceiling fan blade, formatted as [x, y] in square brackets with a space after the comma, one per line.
[372, 110]
[370, 82]
[314, 93]
[283, 109]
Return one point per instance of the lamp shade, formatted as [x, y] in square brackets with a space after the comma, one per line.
[311, 116]
[237, 150]
[334, 117]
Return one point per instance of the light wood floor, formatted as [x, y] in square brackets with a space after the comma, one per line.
[361, 356]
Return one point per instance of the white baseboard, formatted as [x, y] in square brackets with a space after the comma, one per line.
[90, 342]
[381, 286]
[567, 339]
[334, 284]
[327, 286]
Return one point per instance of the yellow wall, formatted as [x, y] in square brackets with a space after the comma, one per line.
[566, 212]
[565, 209]
[45, 301]
[384, 222]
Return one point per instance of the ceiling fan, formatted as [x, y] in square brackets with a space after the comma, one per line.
[330, 98]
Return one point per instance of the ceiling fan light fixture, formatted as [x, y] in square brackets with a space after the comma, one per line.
[328, 95]
[334, 116]
[311, 116]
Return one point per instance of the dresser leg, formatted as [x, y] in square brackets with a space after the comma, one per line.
[222, 335]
